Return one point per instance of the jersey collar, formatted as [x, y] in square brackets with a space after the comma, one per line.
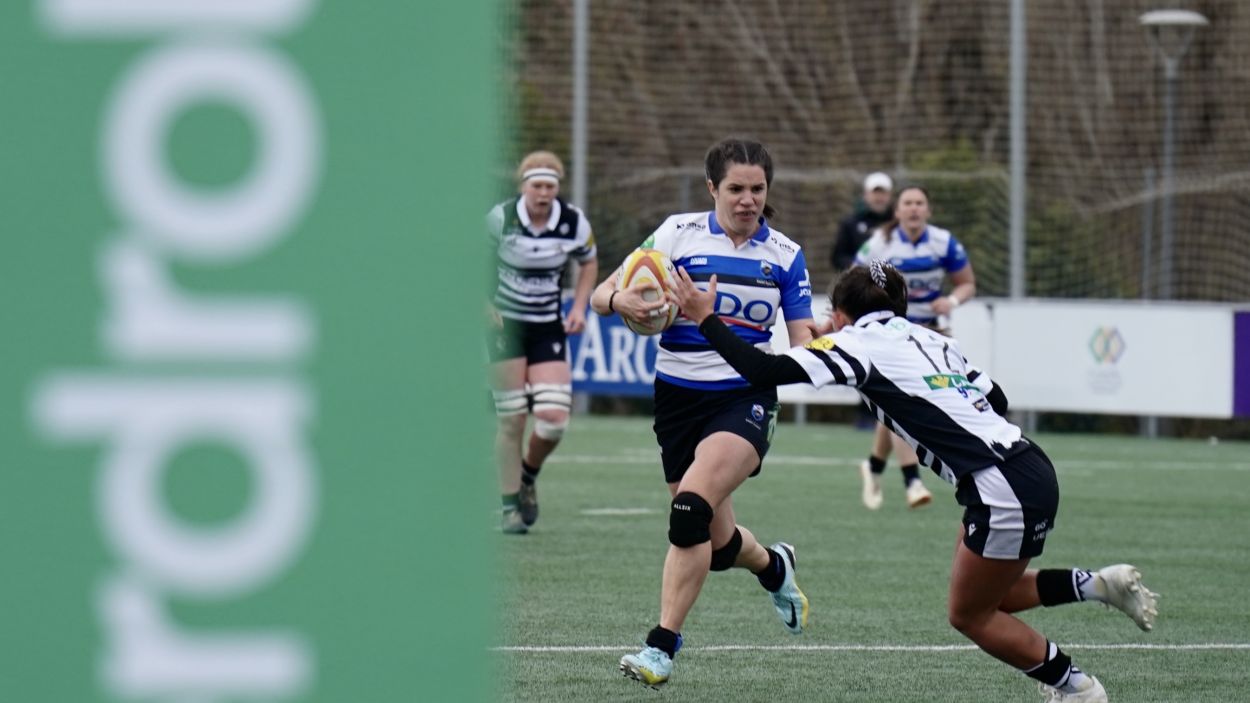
[878, 316]
[902, 236]
[524, 215]
[714, 227]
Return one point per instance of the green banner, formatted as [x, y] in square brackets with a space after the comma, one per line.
[245, 441]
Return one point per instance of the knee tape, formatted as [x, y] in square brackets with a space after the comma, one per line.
[723, 559]
[690, 521]
[551, 431]
[552, 396]
[554, 399]
[513, 402]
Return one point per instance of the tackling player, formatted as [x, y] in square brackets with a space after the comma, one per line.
[920, 386]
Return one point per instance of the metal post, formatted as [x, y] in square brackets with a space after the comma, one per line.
[580, 197]
[1147, 235]
[581, 44]
[1019, 77]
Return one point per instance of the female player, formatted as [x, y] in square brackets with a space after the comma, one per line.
[919, 385]
[534, 236]
[925, 255]
[712, 427]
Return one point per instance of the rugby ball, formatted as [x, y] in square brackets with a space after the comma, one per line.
[651, 266]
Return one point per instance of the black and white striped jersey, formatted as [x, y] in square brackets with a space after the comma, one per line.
[532, 257]
[919, 385]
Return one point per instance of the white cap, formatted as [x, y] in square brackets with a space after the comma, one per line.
[878, 181]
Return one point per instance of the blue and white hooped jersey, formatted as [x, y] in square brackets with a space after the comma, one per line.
[753, 282]
[924, 264]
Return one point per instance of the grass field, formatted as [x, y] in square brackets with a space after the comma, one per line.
[583, 587]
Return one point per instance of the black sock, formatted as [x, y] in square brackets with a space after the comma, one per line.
[1058, 586]
[774, 574]
[877, 466]
[512, 501]
[911, 472]
[529, 474]
[1056, 670]
[664, 640]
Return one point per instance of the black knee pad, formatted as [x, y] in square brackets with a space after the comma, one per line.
[723, 559]
[690, 521]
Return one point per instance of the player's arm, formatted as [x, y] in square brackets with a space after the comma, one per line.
[759, 368]
[993, 392]
[796, 303]
[963, 280]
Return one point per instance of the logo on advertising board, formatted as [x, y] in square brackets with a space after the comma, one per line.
[1107, 347]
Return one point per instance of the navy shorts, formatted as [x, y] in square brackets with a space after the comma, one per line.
[538, 342]
[685, 416]
[1009, 509]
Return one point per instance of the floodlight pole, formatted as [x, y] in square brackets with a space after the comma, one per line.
[1169, 156]
[1184, 22]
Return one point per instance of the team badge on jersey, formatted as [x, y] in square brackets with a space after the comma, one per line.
[820, 344]
[757, 412]
[766, 269]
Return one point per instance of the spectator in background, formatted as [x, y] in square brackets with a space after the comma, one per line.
[534, 236]
[872, 211]
[926, 256]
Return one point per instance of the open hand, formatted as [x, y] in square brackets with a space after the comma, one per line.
[695, 304]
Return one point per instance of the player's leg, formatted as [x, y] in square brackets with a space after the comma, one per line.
[722, 461]
[871, 469]
[511, 408]
[978, 587]
[551, 398]
[1119, 586]
[735, 546]
[1009, 512]
[917, 494]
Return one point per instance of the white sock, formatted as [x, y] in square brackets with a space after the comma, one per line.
[1077, 681]
[1086, 585]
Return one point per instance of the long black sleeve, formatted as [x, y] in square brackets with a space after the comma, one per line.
[760, 368]
[998, 400]
[846, 246]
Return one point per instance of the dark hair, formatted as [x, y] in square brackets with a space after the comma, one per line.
[888, 228]
[870, 288]
[738, 151]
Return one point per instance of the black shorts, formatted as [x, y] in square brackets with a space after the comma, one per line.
[1009, 510]
[685, 416]
[536, 341]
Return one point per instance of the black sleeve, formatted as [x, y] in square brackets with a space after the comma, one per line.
[844, 249]
[998, 399]
[761, 369]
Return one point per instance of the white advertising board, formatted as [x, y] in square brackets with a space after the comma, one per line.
[1170, 360]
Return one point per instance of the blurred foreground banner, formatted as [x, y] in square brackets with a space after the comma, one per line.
[226, 469]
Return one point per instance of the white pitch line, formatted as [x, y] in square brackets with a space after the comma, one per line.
[618, 511]
[1204, 646]
[821, 461]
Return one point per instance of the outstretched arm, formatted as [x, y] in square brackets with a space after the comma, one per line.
[759, 368]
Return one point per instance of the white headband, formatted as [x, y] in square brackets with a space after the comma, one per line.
[544, 174]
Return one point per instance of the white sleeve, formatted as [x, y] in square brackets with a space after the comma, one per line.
[831, 360]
